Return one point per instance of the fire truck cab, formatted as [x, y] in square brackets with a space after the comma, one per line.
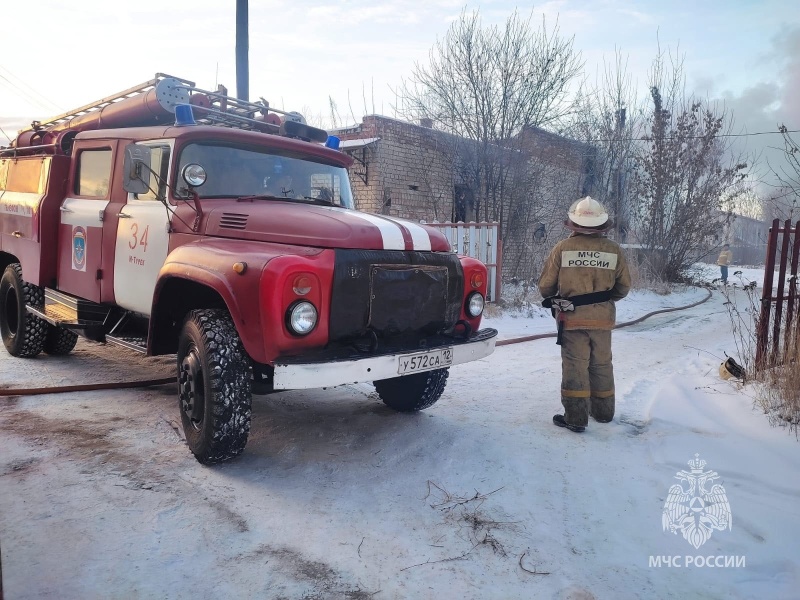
[173, 220]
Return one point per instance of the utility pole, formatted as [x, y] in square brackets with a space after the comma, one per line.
[242, 51]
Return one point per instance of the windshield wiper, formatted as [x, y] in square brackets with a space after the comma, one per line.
[286, 199]
[262, 197]
[321, 201]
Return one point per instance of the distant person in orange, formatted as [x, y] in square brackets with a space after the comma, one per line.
[724, 260]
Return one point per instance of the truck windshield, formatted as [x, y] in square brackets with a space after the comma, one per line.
[233, 172]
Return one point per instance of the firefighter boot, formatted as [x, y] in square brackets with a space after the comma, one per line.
[559, 420]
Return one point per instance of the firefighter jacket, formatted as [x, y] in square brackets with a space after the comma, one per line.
[583, 264]
[725, 258]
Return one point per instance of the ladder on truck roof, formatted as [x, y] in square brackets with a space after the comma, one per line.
[214, 108]
[165, 93]
[98, 104]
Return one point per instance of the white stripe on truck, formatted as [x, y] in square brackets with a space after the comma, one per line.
[391, 234]
[419, 235]
[391, 230]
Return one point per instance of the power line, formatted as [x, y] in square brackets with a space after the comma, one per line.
[31, 89]
[5, 134]
[689, 137]
[23, 94]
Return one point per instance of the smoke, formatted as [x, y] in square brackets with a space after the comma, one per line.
[771, 102]
[788, 43]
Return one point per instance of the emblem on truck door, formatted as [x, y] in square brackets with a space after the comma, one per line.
[79, 248]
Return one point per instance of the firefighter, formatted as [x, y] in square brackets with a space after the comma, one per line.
[583, 277]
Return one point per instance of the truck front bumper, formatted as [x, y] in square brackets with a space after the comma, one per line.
[294, 375]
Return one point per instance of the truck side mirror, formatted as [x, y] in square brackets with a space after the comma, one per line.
[136, 169]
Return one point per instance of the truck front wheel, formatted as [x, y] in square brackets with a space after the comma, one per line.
[215, 386]
[23, 333]
[411, 393]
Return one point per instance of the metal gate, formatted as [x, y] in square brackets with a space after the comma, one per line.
[478, 240]
[778, 322]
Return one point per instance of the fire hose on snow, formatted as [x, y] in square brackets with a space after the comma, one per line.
[539, 336]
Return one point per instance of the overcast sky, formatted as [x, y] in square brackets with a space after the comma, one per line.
[58, 55]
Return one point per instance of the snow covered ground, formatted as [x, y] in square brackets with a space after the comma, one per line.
[336, 496]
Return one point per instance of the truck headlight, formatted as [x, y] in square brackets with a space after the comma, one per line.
[474, 304]
[301, 317]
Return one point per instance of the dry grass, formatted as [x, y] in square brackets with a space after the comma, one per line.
[519, 296]
[470, 515]
[643, 278]
[743, 310]
[777, 383]
[492, 310]
[779, 395]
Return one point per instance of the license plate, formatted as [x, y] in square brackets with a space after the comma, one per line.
[425, 361]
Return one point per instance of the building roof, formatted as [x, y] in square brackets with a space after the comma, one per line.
[348, 144]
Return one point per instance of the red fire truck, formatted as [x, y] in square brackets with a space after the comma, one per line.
[173, 220]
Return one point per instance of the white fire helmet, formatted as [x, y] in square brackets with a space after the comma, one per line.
[587, 212]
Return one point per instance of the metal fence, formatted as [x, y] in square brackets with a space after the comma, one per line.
[478, 240]
[778, 322]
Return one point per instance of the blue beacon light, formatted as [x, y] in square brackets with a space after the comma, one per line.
[332, 142]
[184, 115]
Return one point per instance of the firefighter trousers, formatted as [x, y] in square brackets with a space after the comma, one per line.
[587, 376]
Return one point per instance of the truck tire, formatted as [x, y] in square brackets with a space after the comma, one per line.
[411, 393]
[59, 341]
[23, 333]
[215, 385]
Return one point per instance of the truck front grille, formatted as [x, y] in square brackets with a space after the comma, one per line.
[385, 294]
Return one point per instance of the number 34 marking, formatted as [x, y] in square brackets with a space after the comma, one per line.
[136, 240]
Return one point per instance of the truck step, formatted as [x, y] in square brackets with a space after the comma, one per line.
[84, 310]
[129, 332]
[135, 343]
[58, 314]
[62, 316]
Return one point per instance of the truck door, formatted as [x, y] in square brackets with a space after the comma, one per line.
[80, 231]
[143, 236]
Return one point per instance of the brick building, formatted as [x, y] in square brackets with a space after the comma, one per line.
[416, 172]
